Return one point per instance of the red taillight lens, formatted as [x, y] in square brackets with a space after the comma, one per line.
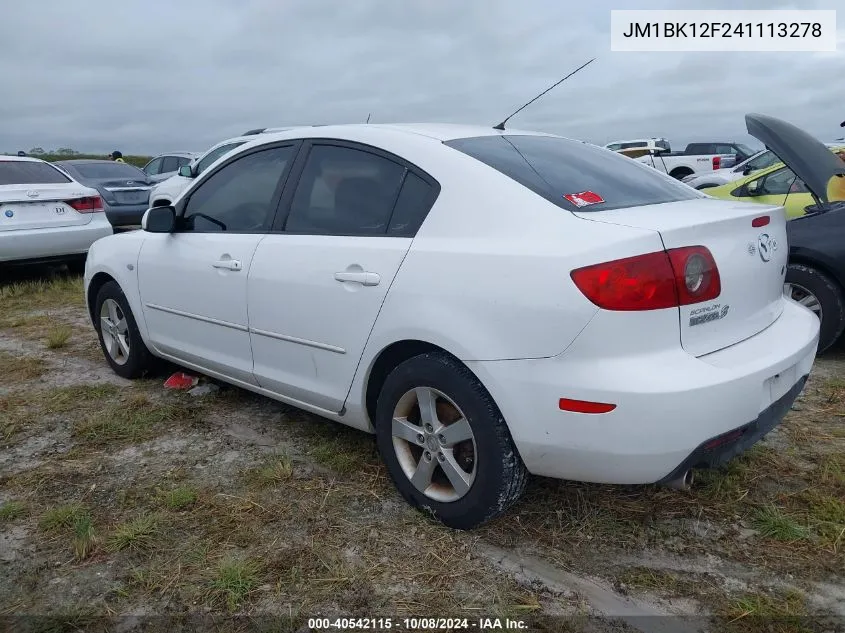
[653, 281]
[644, 282]
[763, 220]
[696, 275]
[86, 205]
[717, 162]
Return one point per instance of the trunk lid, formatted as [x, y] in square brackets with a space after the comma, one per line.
[751, 261]
[41, 206]
[130, 192]
[810, 159]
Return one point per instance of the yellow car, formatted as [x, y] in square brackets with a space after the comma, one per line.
[777, 185]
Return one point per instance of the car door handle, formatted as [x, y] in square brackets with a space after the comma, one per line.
[364, 278]
[228, 264]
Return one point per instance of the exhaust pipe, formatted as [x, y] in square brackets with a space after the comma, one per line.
[682, 482]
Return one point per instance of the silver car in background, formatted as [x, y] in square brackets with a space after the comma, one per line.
[166, 165]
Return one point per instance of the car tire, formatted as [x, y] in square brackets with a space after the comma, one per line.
[122, 344]
[817, 291]
[497, 475]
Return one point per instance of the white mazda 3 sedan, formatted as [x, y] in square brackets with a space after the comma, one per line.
[489, 303]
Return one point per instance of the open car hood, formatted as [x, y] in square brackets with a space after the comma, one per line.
[810, 159]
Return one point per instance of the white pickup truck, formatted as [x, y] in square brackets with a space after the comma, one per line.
[696, 158]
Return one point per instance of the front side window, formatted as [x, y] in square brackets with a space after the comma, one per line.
[25, 172]
[781, 182]
[554, 167]
[344, 191]
[239, 198]
[214, 154]
[153, 167]
[169, 164]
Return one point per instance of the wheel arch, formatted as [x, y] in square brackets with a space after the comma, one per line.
[99, 280]
[386, 360]
[806, 259]
[680, 172]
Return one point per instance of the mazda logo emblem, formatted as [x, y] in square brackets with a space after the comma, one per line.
[765, 247]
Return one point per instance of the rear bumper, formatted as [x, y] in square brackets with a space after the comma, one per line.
[723, 448]
[55, 243]
[126, 215]
[668, 403]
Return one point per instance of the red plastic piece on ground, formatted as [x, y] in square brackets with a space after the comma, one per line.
[181, 380]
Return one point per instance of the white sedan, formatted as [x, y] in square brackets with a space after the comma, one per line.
[45, 215]
[489, 303]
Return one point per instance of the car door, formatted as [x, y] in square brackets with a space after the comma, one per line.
[318, 281]
[193, 282]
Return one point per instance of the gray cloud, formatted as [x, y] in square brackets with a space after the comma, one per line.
[150, 76]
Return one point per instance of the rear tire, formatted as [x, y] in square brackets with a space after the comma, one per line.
[119, 336]
[818, 292]
[492, 476]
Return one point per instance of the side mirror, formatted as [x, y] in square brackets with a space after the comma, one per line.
[748, 169]
[159, 220]
[186, 172]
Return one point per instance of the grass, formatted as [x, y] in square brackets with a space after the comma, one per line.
[58, 336]
[133, 418]
[274, 471]
[17, 369]
[771, 522]
[233, 580]
[84, 539]
[772, 613]
[42, 293]
[63, 517]
[12, 510]
[179, 498]
[139, 534]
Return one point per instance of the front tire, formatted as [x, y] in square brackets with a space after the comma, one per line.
[446, 445]
[815, 290]
[119, 336]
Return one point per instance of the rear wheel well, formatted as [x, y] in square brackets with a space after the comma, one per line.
[98, 281]
[391, 357]
[680, 172]
[811, 263]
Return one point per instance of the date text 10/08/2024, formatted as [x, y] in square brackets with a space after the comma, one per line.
[415, 624]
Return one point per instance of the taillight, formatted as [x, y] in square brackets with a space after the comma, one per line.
[717, 162]
[93, 204]
[665, 279]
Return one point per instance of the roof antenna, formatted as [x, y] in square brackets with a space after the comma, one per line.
[368, 117]
[501, 125]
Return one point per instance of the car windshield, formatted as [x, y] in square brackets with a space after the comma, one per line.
[25, 172]
[99, 171]
[746, 151]
[559, 169]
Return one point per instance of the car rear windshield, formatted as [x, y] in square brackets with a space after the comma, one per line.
[555, 167]
[108, 170]
[25, 172]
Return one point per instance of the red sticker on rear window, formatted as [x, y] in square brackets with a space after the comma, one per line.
[584, 199]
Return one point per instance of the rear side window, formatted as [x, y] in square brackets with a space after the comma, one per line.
[555, 167]
[415, 200]
[24, 172]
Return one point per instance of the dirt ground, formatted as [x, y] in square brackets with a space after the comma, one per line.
[122, 501]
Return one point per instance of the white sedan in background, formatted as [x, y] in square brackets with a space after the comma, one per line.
[45, 215]
[489, 303]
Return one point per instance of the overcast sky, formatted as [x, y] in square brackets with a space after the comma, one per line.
[156, 75]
